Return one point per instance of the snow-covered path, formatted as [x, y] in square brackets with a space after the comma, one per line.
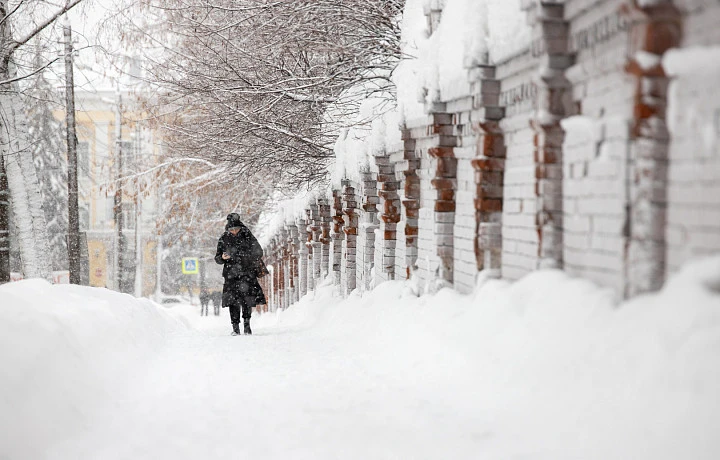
[283, 393]
[547, 368]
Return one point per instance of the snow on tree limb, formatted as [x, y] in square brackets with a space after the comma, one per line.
[260, 86]
[40, 27]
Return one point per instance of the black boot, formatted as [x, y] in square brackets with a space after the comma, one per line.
[247, 326]
[236, 329]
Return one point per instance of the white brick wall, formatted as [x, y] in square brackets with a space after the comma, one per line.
[428, 262]
[400, 265]
[693, 215]
[465, 265]
[701, 22]
[518, 219]
[594, 191]
[597, 166]
[595, 151]
[520, 244]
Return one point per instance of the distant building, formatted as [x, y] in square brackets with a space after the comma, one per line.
[97, 117]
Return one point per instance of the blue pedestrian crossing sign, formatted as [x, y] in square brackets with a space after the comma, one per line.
[190, 266]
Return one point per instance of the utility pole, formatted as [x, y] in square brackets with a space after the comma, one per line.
[4, 225]
[138, 216]
[117, 202]
[73, 238]
[158, 264]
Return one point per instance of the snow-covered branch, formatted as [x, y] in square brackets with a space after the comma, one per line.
[261, 87]
[40, 27]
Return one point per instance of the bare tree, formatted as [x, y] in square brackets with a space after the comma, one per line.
[20, 22]
[195, 196]
[262, 86]
[47, 143]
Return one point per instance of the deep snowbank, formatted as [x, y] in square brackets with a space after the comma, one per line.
[549, 367]
[556, 367]
[63, 349]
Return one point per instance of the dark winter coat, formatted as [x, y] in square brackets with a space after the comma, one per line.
[241, 271]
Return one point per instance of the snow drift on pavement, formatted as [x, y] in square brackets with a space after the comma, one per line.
[554, 366]
[549, 367]
[63, 349]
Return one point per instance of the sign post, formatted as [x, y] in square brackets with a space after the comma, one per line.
[190, 266]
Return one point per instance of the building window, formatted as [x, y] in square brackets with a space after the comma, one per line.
[110, 210]
[127, 154]
[83, 159]
[128, 210]
[84, 218]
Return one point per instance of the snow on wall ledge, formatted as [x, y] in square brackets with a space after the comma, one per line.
[63, 349]
[698, 59]
[461, 34]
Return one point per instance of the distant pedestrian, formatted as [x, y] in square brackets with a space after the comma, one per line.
[204, 301]
[216, 297]
[241, 256]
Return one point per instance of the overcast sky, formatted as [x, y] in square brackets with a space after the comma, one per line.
[93, 70]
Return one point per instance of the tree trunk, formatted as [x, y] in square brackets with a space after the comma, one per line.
[5, 35]
[4, 225]
[24, 189]
[16, 156]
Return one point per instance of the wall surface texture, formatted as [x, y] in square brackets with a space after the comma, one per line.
[595, 150]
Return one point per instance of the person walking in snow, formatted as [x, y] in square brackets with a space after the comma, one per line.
[241, 256]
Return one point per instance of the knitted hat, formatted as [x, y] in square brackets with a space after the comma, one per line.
[233, 220]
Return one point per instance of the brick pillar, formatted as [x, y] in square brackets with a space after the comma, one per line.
[554, 102]
[350, 228]
[656, 29]
[389, 213]
[280, 251]
[370, 200]
[489, 166]
[337, 236]
[444, 183]
[288, 271]
[285, 253]
[311, 254]
[270, 250]
[267, 289]
[325, 220]
[302, 257]
[411, 203]
[294, 243]
[315, 227]
[280, 273]
[267, 280]
[264, 286]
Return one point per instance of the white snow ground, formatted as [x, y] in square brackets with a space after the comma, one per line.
[545, 368]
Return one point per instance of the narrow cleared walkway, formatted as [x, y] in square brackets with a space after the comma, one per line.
[285, 393]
